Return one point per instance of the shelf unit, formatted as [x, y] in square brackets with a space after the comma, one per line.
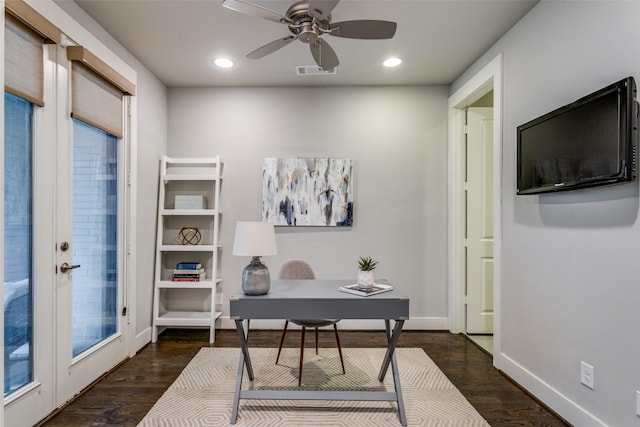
[187, 304]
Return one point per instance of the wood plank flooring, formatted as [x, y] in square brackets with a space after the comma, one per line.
[123, 397]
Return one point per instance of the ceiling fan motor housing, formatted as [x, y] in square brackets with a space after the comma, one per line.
[303, 23]
[308, 33]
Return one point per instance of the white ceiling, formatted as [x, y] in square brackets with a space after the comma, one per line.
[178, 39]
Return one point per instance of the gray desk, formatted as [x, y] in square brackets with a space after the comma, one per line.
[300, 299]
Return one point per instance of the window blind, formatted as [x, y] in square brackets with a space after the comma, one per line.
[23, 61]
[25, 31]
[97, 91]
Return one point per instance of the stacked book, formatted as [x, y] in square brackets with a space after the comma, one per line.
[188, 272]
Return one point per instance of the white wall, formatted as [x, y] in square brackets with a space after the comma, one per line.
[570, 260]
[397, 138]
[152, 144]
[151, 130]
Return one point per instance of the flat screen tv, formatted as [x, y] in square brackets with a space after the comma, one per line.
[587, 143]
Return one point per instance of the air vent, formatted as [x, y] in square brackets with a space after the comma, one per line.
[313, 70]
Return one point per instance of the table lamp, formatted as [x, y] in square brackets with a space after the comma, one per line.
[255, 239]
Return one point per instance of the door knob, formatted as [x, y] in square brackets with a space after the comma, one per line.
[64, 267]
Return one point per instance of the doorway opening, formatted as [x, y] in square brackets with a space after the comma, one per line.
[475, 172]
[478, 206]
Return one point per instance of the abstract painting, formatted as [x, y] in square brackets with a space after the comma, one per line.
[308, 192]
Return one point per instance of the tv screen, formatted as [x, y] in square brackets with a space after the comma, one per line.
[587, 143]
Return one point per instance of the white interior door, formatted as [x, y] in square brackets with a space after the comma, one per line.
[479, 227]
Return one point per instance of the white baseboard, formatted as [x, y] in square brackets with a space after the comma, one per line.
[141, 339]
[554, 399]
[420, 323]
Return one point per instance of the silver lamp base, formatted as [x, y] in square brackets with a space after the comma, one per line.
[255, 278]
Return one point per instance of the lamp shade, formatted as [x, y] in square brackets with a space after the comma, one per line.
[254, 239]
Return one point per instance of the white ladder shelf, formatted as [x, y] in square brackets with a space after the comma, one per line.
[187, 304]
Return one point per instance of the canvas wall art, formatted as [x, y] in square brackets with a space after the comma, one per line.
[308, 192]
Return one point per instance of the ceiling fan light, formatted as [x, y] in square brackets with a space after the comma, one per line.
[223, 62]
[392, 62]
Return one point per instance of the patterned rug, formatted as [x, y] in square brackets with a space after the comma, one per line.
[203, 393]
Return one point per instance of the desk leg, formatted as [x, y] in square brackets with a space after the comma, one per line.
[392, 341]
[242, 337]
[243, 359]
[390, 357]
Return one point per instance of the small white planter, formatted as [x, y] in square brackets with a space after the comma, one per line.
[365, 279]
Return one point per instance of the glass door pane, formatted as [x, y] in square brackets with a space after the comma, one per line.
[95, 236]
[18, 284]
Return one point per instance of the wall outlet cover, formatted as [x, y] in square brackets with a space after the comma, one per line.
[586, 375]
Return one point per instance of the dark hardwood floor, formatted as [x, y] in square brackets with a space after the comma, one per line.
[123, 397]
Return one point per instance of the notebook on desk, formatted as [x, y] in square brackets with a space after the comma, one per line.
[356, 289]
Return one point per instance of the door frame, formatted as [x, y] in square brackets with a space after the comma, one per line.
[487, 79]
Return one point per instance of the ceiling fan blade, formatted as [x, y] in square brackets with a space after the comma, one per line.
[368, 29]
[324, 55]
[321, 9]
[271, 47]
[256, 10]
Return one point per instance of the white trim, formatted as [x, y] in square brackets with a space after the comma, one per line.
[131, 134]
[141, 340]
[489, 77]
[561, 403]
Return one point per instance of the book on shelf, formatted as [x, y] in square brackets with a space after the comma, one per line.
[376, 288]
[188, 271]
[188, 277]
[188, 266]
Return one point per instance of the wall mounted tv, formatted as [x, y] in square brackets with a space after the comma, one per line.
[590, 142]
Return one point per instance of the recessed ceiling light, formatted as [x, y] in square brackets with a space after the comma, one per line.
[223, 62]
[392, 62]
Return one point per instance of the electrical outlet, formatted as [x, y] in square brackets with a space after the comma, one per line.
[219, 298]
[586, 374]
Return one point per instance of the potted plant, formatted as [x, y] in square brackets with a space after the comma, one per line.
[366, 265]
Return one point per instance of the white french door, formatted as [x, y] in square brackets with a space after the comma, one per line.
[29, 391]
[28, 263]
[73, 208]
[90, 319]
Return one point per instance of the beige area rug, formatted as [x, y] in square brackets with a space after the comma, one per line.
[203, 393]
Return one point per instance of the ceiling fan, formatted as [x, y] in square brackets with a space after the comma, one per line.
[308, 21]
